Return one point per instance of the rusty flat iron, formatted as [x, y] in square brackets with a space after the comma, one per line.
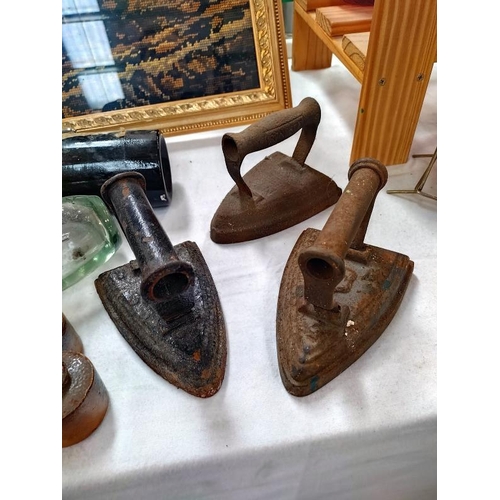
[284, 190]
[164, 303]
[337, 294]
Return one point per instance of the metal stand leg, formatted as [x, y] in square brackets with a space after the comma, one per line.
[420, 184]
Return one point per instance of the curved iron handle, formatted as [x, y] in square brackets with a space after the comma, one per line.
[269, 131]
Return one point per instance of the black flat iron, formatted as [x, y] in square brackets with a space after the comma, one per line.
[164, 303]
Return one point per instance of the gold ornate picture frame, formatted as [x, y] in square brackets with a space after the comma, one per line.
[250, 95]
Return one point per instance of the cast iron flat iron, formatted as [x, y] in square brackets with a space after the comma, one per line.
[164, 303]
[284, 191]
[337, 294]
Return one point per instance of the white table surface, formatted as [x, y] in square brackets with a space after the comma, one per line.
[368, 434]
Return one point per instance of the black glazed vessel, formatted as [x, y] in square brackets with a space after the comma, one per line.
[88, 160]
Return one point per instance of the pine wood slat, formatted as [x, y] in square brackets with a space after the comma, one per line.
[355, 45]
[316, 4]
[398, 67]
[341, 19]
[308, 51]
[312, 48]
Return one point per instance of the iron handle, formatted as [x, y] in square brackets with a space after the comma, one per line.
[322, 264]
[269, 131]
[166, 280]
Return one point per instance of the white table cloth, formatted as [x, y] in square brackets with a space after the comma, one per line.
[368, 434]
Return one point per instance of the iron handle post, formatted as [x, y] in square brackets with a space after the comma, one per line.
[322, 264]
[166, 280]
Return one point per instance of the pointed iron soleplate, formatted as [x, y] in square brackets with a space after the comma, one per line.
[284, 194]
[310, 354]
[189, 352]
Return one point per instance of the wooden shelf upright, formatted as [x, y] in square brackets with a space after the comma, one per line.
[401, 51]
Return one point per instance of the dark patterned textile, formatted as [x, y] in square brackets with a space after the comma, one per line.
[119, 54]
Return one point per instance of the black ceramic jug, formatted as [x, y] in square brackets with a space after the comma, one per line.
[88, 160]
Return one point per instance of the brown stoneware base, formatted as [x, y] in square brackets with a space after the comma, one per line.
[84, 398]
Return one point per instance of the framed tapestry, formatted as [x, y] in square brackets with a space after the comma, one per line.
[178, 66]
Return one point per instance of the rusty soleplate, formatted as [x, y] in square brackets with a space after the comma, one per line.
[190, 351]
[281, 198]
[311, 351]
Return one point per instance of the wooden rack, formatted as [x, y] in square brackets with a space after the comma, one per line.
[393, 63]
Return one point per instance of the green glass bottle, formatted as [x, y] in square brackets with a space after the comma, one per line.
[90, 237]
